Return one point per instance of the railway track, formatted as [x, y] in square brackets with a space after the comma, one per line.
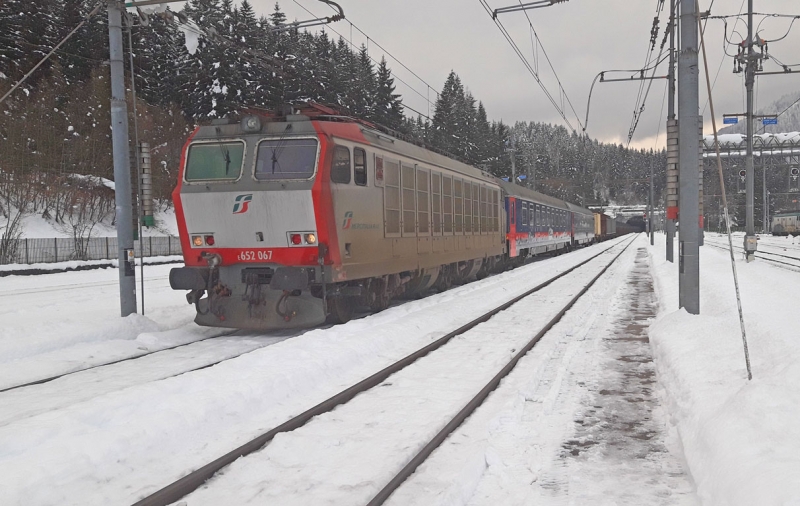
[54, 377]
[761, 255]
[192, 481]
[20, 402]
[72, 286]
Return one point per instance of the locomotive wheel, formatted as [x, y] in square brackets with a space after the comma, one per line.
[379, 299]
[340, 310]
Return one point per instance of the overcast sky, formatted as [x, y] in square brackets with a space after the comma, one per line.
[581, 37]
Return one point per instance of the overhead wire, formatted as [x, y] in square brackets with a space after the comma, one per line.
[527, 64]
[648, 55]
[764, 127]
[350, 42]
[547, 57]
[725, 51]
[52, 51]
[643, 93]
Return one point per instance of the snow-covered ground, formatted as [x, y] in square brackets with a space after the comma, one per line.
[112, 435]
[741, 438]
[34, 226]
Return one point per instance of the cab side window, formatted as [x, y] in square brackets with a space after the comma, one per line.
[340, 168]
[360, 159]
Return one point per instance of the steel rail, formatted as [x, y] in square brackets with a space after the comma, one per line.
[795, 266]
[476, 401]
[194, 480]
[126, 359]
[714, 243]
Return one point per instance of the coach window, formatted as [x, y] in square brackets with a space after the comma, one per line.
[436, 202]
[282, 159]
[214, 161]
[467, 207]
[360, 163]
[524, 214]
[458, 206]
[340, 169]
[476, 205]
[447, 204]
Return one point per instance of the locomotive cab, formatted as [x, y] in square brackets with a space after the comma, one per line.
[248, 224]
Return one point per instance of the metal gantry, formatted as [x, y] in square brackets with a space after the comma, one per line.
[538, 4]
[776, 155]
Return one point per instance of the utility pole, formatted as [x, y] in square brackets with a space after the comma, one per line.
[122, 163]
[672, 143]
[689, 148]
[650, 207]
[765, 226]
[513, 152]
[750, 243]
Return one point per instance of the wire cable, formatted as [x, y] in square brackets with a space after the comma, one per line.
[539, 44]
[763, 128]
[52, 51]
[350, 42]
[641, 98]
[527, 64]
[722, 60]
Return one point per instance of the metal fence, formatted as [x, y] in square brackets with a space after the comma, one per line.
[33, 251]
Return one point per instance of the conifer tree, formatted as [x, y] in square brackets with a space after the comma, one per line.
[345, 63]
[325, 76]
[449, 112]
[388, 105]
[215, 66]
[364, 86]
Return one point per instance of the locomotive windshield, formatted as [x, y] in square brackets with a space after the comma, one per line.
[214, 161]
[286, 159]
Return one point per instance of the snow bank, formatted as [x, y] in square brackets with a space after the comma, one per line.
[79, 265]
[741, 439]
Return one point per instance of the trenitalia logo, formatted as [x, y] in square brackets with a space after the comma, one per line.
[241, 203]
[348, 220]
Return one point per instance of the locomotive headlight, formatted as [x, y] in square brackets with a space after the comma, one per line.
[311, 239]
[251, 124]
[197, 240]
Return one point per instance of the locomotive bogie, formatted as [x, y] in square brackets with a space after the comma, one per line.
[257, 305]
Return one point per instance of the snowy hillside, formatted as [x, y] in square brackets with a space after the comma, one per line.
[788, 107]
[35, 226]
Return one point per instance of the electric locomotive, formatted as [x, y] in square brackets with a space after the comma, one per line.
[288, 220]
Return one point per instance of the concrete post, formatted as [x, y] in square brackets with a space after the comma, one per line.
[650, 207]
[749, 81]
[672, 143]
[688, 143]
[672, 184]
[701, 165]
[122, 163]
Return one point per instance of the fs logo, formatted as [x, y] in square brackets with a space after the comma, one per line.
[241, 203]
[348, 220]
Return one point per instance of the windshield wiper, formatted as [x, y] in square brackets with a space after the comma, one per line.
[279, 146]
[226, 154]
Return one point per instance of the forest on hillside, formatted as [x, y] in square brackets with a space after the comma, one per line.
[55, 129]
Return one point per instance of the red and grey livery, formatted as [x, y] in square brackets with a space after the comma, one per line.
[286, 221]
